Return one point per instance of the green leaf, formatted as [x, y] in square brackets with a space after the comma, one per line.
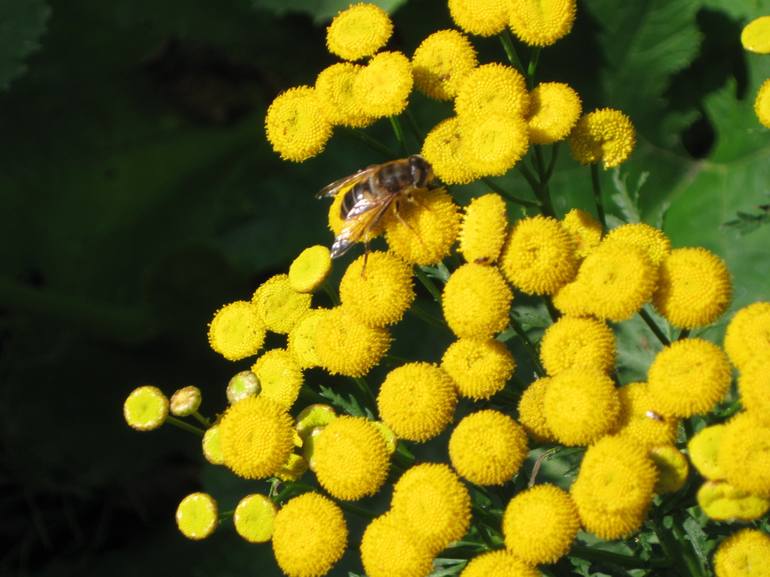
[22, 23]
[320, 10]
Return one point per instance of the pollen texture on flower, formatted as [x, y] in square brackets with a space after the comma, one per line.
[744, 454]
[280, 377]
[532, 411]
[494, 143]
[197, 516]
[146, 408]
[479, 367]
[754, 387]
[476, 301]
[444, 148]
[346, 346]
[492, 89]
[479, 17]
[577, 342]
[500, 563]
[294, 128]
[484, 228]
[382, 88]
[639, 421]
[745, 553]
[703, 449]
[652, 241]
[280, 306]
[605, 136]
[541, 22]
[359, 31]
[254, 518]
[721, 501]
[301, 341]
[334, 90]
[585, 230]
[310, 269]
[748, 334]
[554, 109]
[440, 63]
[237, 331]
[389, 549]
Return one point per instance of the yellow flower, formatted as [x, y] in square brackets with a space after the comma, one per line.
[424, 230]
[605, 135]
[279, 305]
[382, 88]
[479, 367]
[743, 554]
[554, 109]
[346, 346]
[334, 89]
[754, 387]
[431, 502]
[492, 89]
[541, 22]
[652, 241]
[310, 536]
[444, 149]
[744, 455]
[638, 421]
[480, 17]
[212, 446]
[755, 36]
[358, 31]
[197, 516]
[476, 301]
[389, 549]
[610, 526]
[316, 415]
[293, 469]
[256, 437]
[309, 270]
[237, 331]
[580, 406]
[703, 448]
[279, 376]
[498, 563]
[351, 459]
[417, 401]
[301, 342]
[694, 288]
[532, 412]
[723, 502]
[488, 447]
[484, 228]
[748, 334]
[379, 294]
[573, 342]
[243, 384]
[540, 524]
[440, 63]
[672, 468]
[185, 401]
[146, 408]
[294, 127]
[539, 256]
[494, 143]
[585, 230]
[254, 518]
[762, 104]
[688, 378]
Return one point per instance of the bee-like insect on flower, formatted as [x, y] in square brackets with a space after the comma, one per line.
[370, 192]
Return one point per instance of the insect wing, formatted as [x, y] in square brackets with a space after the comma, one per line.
[342, 185]
[354, 229]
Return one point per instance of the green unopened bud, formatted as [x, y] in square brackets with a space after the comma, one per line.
[212, 447]
[317, 415]
[391, 441]
[146, 408]
[309, 447]
[294, 468]
[244, 384]
[185, 401]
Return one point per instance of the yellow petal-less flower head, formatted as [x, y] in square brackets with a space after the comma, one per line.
[310, 536]
[484, 228]
[494, 143]
[256, 435]
[754, 387]
[479, 17]
[744, 454]
[672, 468]
[294, 126]
[433, 504]
[688, 378]
[185, 401]
[476, 301]
[581, 405]
[694, 288]
[723, 502]
[382, 88]
[146, 408]
[539, 257]
[351, 459]
[762, 104]
[316, 415]
[279, 376]
[389, 549]
[391, 441]
[541, 22]
[540, 524]
[639, 421]
[379, 294]
[279, 305]
[492, 89]
[254, 518]
[652, 241]
[212, 446]
[488, 447]
[293, 469]
[606, 135]
[444, 149]
[703, 448]
[479, 367]
[554, 109]
[573, 342]
[309, 270]
[417, 401]
[610, 526]
[358, 31]
[197, 516]
[301, 341]
[346, 346]
[743, 554]
[237, 331]
[532, 412]
[334, 89]
[755, 36]
[424, 230]
[440, 63]
[500, 563]
[243, 384]
[585, 230]
[748, 334]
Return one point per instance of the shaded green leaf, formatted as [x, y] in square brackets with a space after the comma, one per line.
[22, 24]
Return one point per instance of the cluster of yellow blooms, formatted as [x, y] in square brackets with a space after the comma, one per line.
[590, 279]
[756, 38]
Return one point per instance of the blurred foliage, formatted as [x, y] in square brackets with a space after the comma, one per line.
[138, 194]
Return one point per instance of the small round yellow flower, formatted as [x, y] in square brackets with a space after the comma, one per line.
[146, 408]
[417, 401]
[358, 31]
[554, 109]
[301, 342]
[476, 301]
[389, 549]
[494, 143]
[488, 447]
[310, 269]
[688, 378]
[638, 421]
[540, 524]
[585, 230]
[346, 346]
[279, 305]
[539, 256]
[310, 536]
[748, 334]
[185, 401]
[704, 451]
[254, 518]
[425, 229]
[212, 446]
[256, 437]
[744, 455]
[197, 516]
[743, 554]
[237, 331]
[479, 17]
[351, 459]
[479, 367]
[498, 563]
[444, 149]
[610, 526]
[755, 36]
[652, 241]
[492, 89]
[694, 288]
[672, 468]
[382, 88]
[532, 412]
[380, 293]
[243, 384]
[484, 228]
[754, 387]
[541, 22]
[573, 342]
[580, 406]
[762, 104]
[723, 502]
[294, 128]
[440, 63]
[605, 135]
[279, 376]
[334, 89]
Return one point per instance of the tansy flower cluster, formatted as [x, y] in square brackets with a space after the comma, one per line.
[755, 37]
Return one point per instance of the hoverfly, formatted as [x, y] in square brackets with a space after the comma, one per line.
[370, 192]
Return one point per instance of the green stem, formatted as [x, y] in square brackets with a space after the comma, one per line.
[530, 178]
[226, 514]
[201, 419]
[675, 552]
[654, 327]
[357, 510]
[398, 130]
[552, 163]
[528, 346]
[544, 192]
[367, 392]
[290, 487]
[372, 143]
[597, 188]
[179, 423]
[413, 126]
[512, 197]
[510, 51]
[532, 68]
[683, 334]
[428, 283]
[591, 554]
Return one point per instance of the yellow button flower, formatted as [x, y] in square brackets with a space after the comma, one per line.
[554, 109]
[573, 342]
[541, 22]
[476, 301]
[346, 346]
[146, 408]
[301, 342]
[254, 518]
[479, 367]
[723, 502]
[703, 448]
[755, 36]
[279, 305]
[499, 563]
[444, 149]
[279, 376]
[358, 31]
[294, 128]
[748, 334]
[652, 241]
[639, 421]
[212, 446]
[494, 143]
[310, 536]
[744, 455]
[585, 230]
[389, 549]
[605, 135]
[762, 104]
[197, 516]
[417, 401]
[532, 412]
[310, 269]
[480, 17]
[334, 89]
[743, 554]
[492, 89]
[672, 468]
[440, 63]
[754, 387]
[237, 331]
[484, 228]
[382, 88]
